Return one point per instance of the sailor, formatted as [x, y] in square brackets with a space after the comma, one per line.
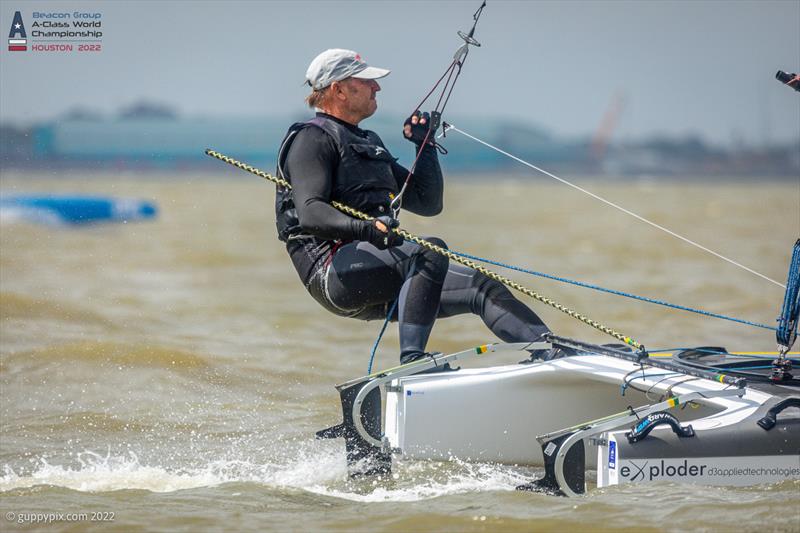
[356, 268]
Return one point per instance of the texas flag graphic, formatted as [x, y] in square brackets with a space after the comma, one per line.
[17, 38]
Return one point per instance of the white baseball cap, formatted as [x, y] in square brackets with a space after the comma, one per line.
[337, 64]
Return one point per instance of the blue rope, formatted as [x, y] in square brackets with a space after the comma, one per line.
[788, 321]
[702, 350]
[618, 293]
[380, 336]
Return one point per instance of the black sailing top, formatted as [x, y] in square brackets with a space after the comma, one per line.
[312, 165]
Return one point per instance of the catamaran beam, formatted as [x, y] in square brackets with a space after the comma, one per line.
[642, 358]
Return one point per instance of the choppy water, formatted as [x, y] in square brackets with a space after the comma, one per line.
[173, 373]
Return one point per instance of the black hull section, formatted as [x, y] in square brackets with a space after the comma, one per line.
[363, 459]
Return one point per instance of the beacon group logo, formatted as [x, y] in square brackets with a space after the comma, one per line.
[17, 38]
[73, 31]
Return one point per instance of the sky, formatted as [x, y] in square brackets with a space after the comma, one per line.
[681, 67]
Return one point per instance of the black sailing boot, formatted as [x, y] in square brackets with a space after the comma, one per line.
[406, 358]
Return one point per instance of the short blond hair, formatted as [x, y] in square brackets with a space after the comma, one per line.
[316, 97]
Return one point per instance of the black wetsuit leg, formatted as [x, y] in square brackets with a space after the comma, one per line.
[367, 280]
[363, 282]
[466, 290]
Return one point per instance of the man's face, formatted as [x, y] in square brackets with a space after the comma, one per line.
[360, 93]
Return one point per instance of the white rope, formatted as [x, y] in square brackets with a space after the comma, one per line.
[612, 204]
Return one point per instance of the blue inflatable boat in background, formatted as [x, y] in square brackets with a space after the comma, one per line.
[75, 210]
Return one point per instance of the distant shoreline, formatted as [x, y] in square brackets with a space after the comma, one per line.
[471, 178]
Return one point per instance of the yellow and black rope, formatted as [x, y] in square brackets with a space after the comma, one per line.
[445, 252]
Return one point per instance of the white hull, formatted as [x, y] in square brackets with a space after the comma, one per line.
[495, 414]
[633, 417]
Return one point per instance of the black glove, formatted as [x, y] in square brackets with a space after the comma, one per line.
[416, 132]
[369, 232]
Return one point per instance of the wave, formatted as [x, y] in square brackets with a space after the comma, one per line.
[24, 215]
[98, 473]
[93, 421]
[318, 468]
[95, 352]
[14, 305]
[425, 480]
[315, 468]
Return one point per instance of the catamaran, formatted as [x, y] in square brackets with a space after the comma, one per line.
[700, 415]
